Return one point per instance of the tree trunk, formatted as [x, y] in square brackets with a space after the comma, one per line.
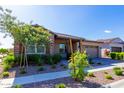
[25, 57]
[21, 56]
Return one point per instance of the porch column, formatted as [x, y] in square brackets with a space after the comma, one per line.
[71, 48]
[81, 46]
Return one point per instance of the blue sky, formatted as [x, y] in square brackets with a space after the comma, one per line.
[90, 22]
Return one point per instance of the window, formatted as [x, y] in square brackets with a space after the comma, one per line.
[30, 49]
[36, 49]
[62, 48]
[41, 49]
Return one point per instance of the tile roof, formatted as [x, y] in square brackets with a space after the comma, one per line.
[67, 36]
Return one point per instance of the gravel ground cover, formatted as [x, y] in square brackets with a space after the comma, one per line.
[90, 82]
[32, 70]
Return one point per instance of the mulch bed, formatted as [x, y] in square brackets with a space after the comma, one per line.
[89, 82]
[32, 70]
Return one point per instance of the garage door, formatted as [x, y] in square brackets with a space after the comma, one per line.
[116, 49]
[92, 51]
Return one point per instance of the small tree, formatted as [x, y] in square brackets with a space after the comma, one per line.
[78, 62]
[22, 33]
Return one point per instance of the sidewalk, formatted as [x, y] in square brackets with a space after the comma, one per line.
[47, 76]
[117, 84]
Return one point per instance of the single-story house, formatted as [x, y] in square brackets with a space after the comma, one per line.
[61, 44]
[65, 44]
[112, 44]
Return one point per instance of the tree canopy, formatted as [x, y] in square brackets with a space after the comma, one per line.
[23, 33]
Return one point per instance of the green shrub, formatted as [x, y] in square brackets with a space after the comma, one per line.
[49, 60]
[77, 64]
[108, 76]
[118, 72]
[36, 59]
[17, 86]
[40, 68]
[90, 74]
[90, 61]
[117, 55]
[113, 55]
[5, 74]
[61, 85]
[3, 51]
[22, 70]
[17, 59]
[116, 68]
[11, 54]
[6, 67]
[9, 60]
[56, 58]
[53, 66]
[105, 72]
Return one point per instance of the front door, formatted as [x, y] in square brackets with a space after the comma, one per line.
[62, 50]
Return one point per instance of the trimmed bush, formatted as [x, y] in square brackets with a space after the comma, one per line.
[90, 74]
[40, 68]
[56, 58]
[5, 74]
[119, 72]
[17, 86]
[108, 77]
[61, 85]
[117, 55]
[36, 59]
[113, 55]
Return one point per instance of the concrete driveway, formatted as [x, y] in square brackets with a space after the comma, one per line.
[107, 61]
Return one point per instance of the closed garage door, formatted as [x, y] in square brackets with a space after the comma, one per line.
[92, 51]
[116, 49]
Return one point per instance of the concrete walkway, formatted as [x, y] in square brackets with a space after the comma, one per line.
[47, 76]
[117, 84]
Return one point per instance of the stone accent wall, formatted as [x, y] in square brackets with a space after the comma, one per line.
[52, 45]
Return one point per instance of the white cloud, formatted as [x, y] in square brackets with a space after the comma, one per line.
[108, 31]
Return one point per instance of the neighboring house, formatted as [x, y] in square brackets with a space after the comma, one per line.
[112, 44]
[65, 44]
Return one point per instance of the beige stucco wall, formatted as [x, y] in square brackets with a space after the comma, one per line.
[95, 44]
